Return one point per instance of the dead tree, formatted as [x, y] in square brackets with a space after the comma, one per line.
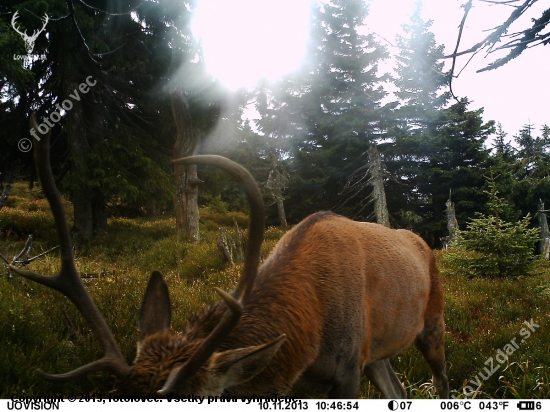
[276, 184]
[4, 196]
[188, 141]
[231, 249]
[23, 258]
[544, 244]
[452, 223]
[377, 182]
[371, 176]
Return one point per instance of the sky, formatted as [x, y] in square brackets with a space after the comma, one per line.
[245, 40]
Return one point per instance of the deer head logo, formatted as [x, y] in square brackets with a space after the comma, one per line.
[29, 40]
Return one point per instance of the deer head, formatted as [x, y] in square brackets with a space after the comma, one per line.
[29, 40]
[190, 358]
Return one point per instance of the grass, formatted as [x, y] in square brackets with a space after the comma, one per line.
[39, 328]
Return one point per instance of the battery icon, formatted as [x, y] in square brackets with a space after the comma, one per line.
[526, 405]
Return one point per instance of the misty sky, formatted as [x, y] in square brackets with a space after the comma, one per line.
[244, 40]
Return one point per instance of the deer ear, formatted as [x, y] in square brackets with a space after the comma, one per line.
[239, 365]
[155, 314]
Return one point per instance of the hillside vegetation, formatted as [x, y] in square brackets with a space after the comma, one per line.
[39, 328]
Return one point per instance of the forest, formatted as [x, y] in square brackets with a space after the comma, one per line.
[122, 89]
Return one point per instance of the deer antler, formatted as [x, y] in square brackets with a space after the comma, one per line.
[13, 20]
[237, 300]
[29, 40]
[68, 281]
[45, 20]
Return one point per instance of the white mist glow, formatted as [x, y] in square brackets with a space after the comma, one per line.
[245, 40]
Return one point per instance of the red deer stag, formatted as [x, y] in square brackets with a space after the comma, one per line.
[335, 299]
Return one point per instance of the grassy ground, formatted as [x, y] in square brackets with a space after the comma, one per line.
[39, 328]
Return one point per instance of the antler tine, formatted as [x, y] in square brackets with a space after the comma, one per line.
[13, 20]
[236, 302]
[117, 368]
[68, 281]
[36, 32]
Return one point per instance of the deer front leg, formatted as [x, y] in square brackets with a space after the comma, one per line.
[381, 374]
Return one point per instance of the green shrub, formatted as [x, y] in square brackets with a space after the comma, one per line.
[215, 204]
[224, 219]
[21, 223]
[28, 212]
[275, 233]
[491, 247]
[494, 248]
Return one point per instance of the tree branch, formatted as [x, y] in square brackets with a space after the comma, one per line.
[489, 43]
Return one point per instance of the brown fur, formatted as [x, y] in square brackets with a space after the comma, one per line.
[348, 295]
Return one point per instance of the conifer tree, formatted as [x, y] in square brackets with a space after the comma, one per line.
[421, 81]
[532, 169]
[457, 161]
[503, 162]
[493, 247]
[337, 100]
[435, 147]
[422, 93]
[113, 143]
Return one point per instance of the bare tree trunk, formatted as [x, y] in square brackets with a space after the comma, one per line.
[4, 196]
[276, 183]
[185, 176]
[232, 250]
[79, 148]
[377, 182]
[85, 128]
[95, 115]
[544, 231]
[452, 223]
[151, 207]
[99, 211]
[281, 211]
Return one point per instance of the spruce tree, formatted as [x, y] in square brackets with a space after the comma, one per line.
[336, 105]
[435, 147]
[113, 144]
[422, 92]
[493, 247]
[532, 168]
[503, 162]
[455, 147]
[421, 81]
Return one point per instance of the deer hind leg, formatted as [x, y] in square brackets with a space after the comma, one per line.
[381, 374]
[431, 342]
